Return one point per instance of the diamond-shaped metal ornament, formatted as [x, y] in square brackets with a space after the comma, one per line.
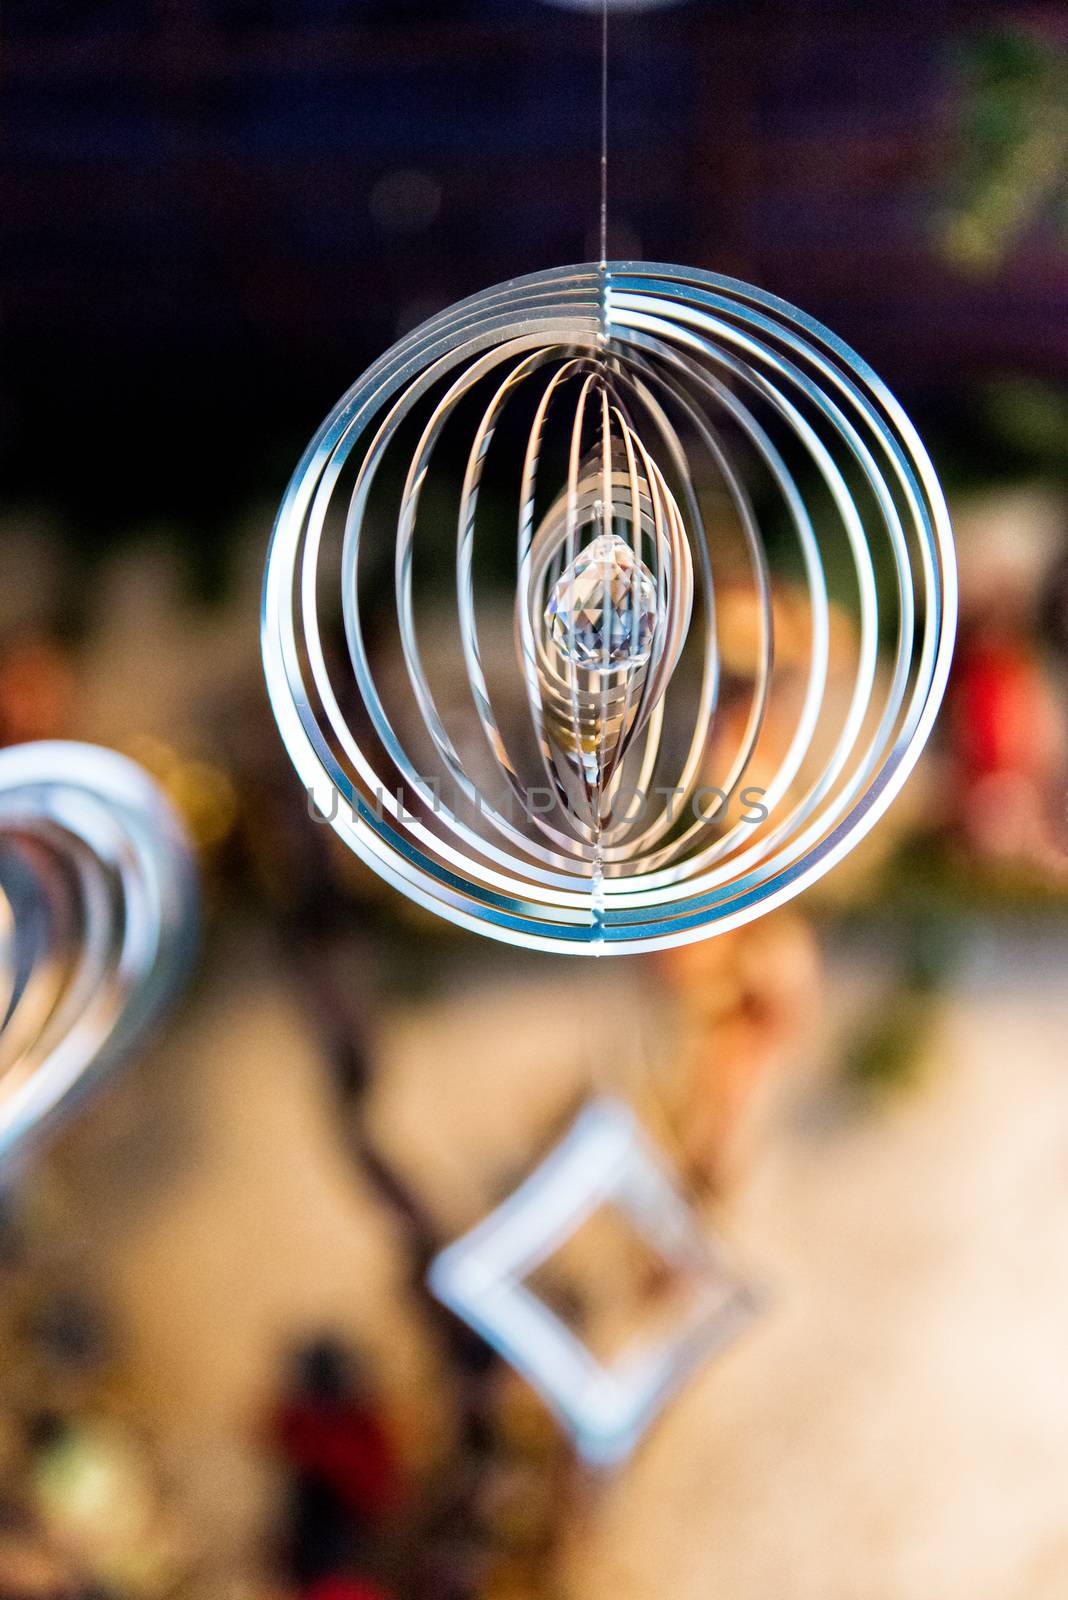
[605, 1160]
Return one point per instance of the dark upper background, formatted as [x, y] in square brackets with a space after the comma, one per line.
[217, 211]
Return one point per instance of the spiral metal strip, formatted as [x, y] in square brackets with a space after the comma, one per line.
[97, 921]
[700, 426]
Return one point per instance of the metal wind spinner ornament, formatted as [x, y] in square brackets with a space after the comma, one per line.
[603, 1163]
[614, 448]
[98, 914]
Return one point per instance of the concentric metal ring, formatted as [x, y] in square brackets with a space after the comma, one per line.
[98, 904]
[737, 446]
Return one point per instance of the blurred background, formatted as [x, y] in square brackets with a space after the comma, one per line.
[219, 1373]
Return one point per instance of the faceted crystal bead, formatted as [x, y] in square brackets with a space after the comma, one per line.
[602, 610]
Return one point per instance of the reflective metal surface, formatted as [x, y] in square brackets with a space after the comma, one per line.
[605, 1161]
[714, 428]
[98, 910]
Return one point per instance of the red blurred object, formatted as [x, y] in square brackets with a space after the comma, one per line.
[342, 1443]
[36, 691]
[1006, 736]
[343, 1588]
[1000, 713]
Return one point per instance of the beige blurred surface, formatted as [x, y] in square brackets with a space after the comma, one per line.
[898, 1427]
[895, 1428]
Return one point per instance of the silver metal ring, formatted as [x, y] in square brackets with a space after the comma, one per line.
[713, 439]
[98, 908]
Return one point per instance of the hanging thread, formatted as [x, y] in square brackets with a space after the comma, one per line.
[604, 134]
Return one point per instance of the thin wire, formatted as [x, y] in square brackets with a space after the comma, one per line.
[604, 133]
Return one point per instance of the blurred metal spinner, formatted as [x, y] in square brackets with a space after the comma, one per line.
[98, 911]
[604, 1161]
[628, 420]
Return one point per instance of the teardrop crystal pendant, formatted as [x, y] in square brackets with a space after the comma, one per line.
[603, 609]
